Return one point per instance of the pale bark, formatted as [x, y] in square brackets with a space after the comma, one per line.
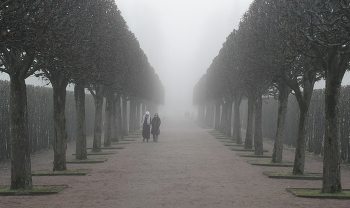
[108, 119]
[125, 119]
[229, 118]
[98, 99]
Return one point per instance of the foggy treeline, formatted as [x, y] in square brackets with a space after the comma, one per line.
[280, 49]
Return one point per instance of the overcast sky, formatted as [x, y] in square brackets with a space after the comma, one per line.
[181, 38]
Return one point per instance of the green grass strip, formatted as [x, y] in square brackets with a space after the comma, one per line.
[35, 190]
[89, 160]
[99, 153]
[317, 193]
[121, 142]
[234, 145]
[131, 136]
[238, 149]
[252, 155]
[289, 175]
[269, 163]
[127, 140]
[59, 173]
[110, 148]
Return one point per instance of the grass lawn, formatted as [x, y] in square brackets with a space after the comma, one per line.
[35, 190]
[289, 175]
[252, 155]
[317, 193]
[58, 173]
[110, 148]
[239, 149]
[99, 153]
[269, 163]
[89, 160]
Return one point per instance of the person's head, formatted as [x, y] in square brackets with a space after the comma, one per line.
[147, 113]
[156, 115]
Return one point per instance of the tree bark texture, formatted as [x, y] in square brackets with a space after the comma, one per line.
[20, 149]
[248, 142]
[217, 115]
[119, 123]
[114, 120]
[258, 140]
[229, 118]
[237, 134]
[98, 98]
[281, 121]
[108, 119]
[223, 118]
[125, 119]
[79, 94]
[331, 160]
[59, 84]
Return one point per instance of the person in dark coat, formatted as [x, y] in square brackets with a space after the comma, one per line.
[155, 127]
[146, 120]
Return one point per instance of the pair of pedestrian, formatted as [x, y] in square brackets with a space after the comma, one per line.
[147, 123]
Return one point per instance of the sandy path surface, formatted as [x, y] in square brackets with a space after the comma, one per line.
[186, 168]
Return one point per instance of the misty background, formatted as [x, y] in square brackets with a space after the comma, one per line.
[180, 39]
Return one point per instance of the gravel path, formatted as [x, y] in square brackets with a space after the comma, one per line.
[187, 168]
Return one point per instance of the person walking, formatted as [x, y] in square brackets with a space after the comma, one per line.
[155, 127]
[146, 120]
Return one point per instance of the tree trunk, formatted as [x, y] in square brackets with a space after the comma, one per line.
[59, 84]
[79, 95]
[125, 119]
[248, 142]
[119, 119]
[108, 119]
[217, 115]
[114, 119]
[281, 120]
[229, 118]
[258, 142]
[98, 98]
[20, 150]
[237, 134]
[331, 159]
[223, 118]
[201, 114]
[299, 160]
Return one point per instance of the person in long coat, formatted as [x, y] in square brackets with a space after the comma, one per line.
[146, 120]
[155, 127]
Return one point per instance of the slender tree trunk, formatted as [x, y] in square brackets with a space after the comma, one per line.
[59, 84]
[96, 146]
[331, 159]
[281, 120]
[217, 115]
[114, 119]
[108, 119]
[299, 160]
[229, 118]
[125, 118]
[79, 94]
[248, 142]
[223, 118]
[237, 134]
[119, 119]
[258, 140]
[20, 149]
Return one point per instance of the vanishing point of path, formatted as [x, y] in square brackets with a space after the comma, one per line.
[186, 168]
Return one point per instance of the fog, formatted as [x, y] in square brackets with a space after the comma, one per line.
[180, 39]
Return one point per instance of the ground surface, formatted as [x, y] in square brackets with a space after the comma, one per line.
[188, 167]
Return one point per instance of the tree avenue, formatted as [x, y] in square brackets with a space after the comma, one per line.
[83, 42]
[288, 46]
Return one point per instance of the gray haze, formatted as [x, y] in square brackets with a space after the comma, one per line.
[180, 39]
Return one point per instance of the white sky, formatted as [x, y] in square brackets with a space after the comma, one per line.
[181, 38]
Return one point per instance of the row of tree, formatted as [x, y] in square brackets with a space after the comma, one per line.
[85, 42]
[40, 111]
[282, 47]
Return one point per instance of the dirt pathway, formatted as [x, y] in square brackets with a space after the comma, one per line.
[186, 168]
